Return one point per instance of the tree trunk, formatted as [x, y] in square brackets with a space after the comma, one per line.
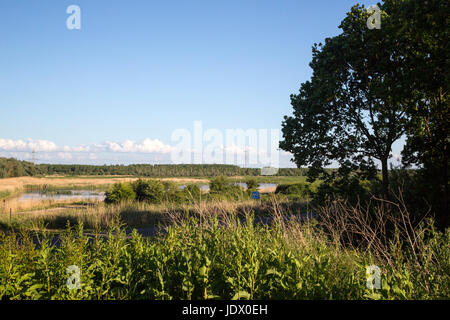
[385, 177]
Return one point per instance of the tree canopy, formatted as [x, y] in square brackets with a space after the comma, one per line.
[369, 88]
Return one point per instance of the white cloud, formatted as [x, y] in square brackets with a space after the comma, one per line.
[146, 146]
[128, 146]
[64, 155]
[76, 149]
[46, 156]
[234, 149]
[147, 150]
[28, 145]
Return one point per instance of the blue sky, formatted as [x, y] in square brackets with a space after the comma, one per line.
[139, 70]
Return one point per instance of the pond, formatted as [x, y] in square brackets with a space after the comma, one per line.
[62, 195]
[260, 185]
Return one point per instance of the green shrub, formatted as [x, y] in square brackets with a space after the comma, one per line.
[218, 185]
[221, 189]
[172, 192]
[351, 188]
[300, 189]
[192, 191]
[120, 192]
[152, 191]
[235, 192]
[252, 184]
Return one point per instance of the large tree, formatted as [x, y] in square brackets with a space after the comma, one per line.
[350, 112]
[423, 35]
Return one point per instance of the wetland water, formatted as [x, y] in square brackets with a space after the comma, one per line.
[32, 199]
[62, 195]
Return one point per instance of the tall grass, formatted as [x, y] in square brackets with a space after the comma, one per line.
[209, 253]
[133, 214]
[93, 215]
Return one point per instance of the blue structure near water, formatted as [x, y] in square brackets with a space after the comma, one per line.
[255, 195]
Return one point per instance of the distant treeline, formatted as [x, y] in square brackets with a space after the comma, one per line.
[10, 167]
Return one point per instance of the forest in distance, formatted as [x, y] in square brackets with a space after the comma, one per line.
[10, 167]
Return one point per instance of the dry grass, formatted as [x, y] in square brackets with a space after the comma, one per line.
[93, 216]
[17, 206]
[136, 214]
[373, 226]
[267, 190]
[184, 180]
[18, 184]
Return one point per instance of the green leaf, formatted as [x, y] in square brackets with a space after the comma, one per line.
[241, 294]
[274, 272]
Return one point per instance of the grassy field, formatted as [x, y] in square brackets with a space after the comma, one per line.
[53, 216]
[219, 248]
[207, 252]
